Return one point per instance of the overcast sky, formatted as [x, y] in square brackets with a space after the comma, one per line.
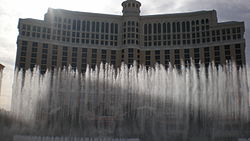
[12, 10]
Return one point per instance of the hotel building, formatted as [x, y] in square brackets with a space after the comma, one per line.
[77, 39]
[73, 38]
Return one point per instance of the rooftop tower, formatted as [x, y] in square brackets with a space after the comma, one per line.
[131, 8]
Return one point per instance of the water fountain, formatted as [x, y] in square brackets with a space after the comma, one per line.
[1, 75]
[132, 103]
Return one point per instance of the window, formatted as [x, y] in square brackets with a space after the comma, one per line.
[113, 57]
[130, 50]
[155, 28]
[145, 29]
[167, 51]
[94, 50]
[24, 43]
[227, 52]
[147, 57]
[32, 55]
[164, 28]
[150, 28]
[104, 51]
[22, 65]
[74, 54]
[159, 28]
[177, 51]
[116, 28]
[183, 27]
[238, 30]
[174, 27]
[113, 52]
[94, 55]
[97, 27]
[102, 27]
[129, 23]
[186, 50]
[168, 28]
[157, 52]
[107, 28]
[78, 25]
[34, 49]
[93, 26]
[178, 27]
[207, 21]
[197, 22]
[22, 59]
[196, 50]
[188, 26]
[227, 47]
[112, 28]
[206, 49]
[74, 24]
[88, 26]
[148, 52]
[44, 62]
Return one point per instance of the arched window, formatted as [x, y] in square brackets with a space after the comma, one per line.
[197, 22]
[116, 28]
[159, 27]
[112, 28]
[168, 27]
[150, 28]
[107, 27]
[145, 29]
[202, 21]
[183, 27]
[173, 27]
[193, 22]
[88, 26]
[164, 28]
[93, 26]
[188, 26]
[207, 21]
[155, 28]
[178, 27]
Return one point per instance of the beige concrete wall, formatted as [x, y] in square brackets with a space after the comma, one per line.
[205, 22]
[137, 54]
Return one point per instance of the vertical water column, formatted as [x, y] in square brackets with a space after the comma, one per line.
[248, 76]
[1, 73]
[153, 103]
[1, 76]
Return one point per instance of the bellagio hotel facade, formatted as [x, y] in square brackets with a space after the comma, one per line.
[77, 39]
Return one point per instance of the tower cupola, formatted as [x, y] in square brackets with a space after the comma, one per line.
[131, 8]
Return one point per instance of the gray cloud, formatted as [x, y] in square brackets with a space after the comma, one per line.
[8, 36]
[158, 7]
[227, 10]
